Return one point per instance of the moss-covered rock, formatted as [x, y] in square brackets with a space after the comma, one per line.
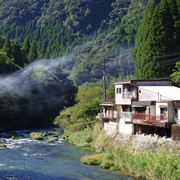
[36, 136]
[3, 145]
[52, 139]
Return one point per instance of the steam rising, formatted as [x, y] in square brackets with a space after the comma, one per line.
[35, 75]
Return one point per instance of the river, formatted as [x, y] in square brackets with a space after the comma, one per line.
[25, 159]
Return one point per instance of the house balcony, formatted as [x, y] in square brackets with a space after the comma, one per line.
[125, 115]
[108, 116]
[129, 95]
[149, 119]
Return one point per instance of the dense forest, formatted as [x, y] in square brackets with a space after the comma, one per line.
[49, 47]
[82, 31]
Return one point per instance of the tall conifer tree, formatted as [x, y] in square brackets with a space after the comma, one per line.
[32, 52]
[16, 54]
[159, 40]
[7, 47]
[26, 46]
[176, 20]
[141, 46]
[42, 52]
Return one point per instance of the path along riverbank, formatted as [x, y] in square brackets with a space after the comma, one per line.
[139, 156]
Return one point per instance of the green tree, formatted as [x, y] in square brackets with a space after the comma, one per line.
[32, 52]
[176, 20]
[155, 38]
[42, 52]
[26, 46]
[176, 74]
[178, 4]
[7, 47]
[84, 112]
[17, 54]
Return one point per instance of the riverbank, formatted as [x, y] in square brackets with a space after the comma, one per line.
[24, 158]
[138, 156]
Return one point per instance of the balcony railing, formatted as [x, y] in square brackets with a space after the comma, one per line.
[127, 95]
[149, 117]
[112, 114]
[125, 114]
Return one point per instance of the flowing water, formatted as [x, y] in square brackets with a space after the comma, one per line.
[25, 159]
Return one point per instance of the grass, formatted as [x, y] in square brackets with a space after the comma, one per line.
[160, 163]
[95, 159]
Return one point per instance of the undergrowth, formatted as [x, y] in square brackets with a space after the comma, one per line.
[162, 163]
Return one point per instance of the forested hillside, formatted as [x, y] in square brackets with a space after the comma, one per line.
[84, 31]
[73, 41]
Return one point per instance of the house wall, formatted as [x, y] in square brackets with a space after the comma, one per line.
[170, 110]
[126, 127]
[110, 128]
[152, 109]
[118, 97]
[158, 109]
[145, 95]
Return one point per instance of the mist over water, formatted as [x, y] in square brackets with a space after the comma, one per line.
[23, 81]
[35, 94]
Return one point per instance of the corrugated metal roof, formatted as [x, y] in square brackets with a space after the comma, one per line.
[142, 80]
[171, 92]
[108, 102]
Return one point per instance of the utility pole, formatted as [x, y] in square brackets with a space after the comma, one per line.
[104, 77]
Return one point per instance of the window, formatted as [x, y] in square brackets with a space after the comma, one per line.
[118, 90]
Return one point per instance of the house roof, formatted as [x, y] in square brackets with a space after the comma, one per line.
[109, 102]
[143, 80]
[170, 92]
[142, 103]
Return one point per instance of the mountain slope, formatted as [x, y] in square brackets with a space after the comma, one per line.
[85, 30]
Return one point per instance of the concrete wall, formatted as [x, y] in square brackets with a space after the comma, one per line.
[170, 112]
[119, 98]
[126, 127]
[110, 128]
[158, 112]
[175, 132]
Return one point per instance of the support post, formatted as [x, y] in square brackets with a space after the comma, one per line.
[155, 129]
[140, 129]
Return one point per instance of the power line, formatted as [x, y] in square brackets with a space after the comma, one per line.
[29, 104]
[163, 56]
